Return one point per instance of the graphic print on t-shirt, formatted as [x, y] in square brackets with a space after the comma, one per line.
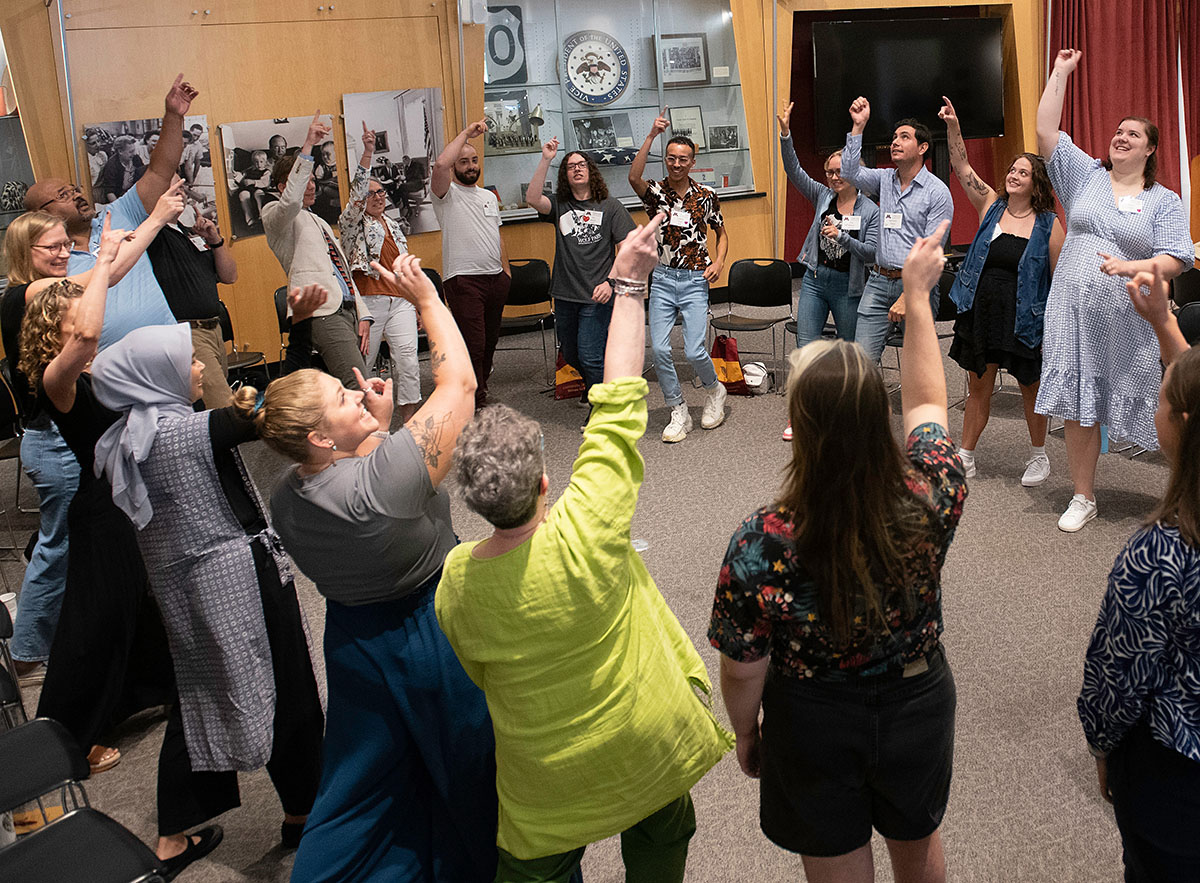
[583, 225]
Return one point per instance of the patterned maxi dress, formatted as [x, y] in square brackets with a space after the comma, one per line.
[1100, 358]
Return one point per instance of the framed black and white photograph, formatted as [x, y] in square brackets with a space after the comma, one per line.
[511, 129]
[689, 122]
[723, 138]
[683, 60]
[119, 152]
[409, 135]
[251, 150]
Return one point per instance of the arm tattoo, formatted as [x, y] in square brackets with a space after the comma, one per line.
[427, 434]
[977, 185]
[1057, 83]
[436, 359]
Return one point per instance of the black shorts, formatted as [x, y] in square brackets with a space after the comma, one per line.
[840, 758]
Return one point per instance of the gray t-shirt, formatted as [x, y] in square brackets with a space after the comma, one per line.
[585, 242]
[366, 529]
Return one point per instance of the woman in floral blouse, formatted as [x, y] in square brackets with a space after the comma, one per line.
[1140, 702]
[828, 610]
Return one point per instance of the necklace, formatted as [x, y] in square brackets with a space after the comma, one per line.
[1013, 214]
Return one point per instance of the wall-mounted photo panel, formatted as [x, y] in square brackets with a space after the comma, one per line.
[723, 138]
[683, 60]
[608, 138]
[512, 126]
[251, 150]
[119, 152]
[409, 135]
[689, 122]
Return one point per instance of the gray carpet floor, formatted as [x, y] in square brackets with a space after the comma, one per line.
[1020, 602]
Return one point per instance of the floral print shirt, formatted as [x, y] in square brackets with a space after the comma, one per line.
[683, 236]
[766, 603]
[362, 236]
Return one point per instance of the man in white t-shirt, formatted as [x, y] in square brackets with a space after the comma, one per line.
[475, 269]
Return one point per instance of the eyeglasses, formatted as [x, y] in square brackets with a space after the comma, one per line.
[830, 173]
[58, 248]
[573, 166]
[67, 193]
[372, 193]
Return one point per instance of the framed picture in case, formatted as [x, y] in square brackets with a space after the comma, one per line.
[683, 60]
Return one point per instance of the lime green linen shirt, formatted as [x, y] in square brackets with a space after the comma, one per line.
[599, 700]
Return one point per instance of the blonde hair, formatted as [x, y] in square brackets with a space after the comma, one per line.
[292, 407]
[22, 236]
[41, 329]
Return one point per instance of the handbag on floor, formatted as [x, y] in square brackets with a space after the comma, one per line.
[568, 383]
[728, 366]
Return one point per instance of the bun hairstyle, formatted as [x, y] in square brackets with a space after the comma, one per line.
[41, 330]
[284, 415]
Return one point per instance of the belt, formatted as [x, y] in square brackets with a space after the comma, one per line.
[204, 323]
[886, 272]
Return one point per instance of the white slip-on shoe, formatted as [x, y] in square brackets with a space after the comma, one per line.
[1080, 512]
[680, 425]
[713, 414]
[968, 461]
[1037, 470]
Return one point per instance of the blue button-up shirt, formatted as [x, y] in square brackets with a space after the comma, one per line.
[922, 206]
[137, 299]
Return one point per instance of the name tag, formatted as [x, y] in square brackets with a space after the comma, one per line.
[199, 242]
[892, 220]
[1129, 204]
[491, 208]
[680, 218]
[851, 223]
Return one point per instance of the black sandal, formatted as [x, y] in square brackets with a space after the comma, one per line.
[210, 838]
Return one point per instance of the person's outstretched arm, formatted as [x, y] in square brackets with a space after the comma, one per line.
[534, 197]
[360, 188]
[637, 171]
[800, 179]
[625, 351]
[922, 377]
[1152, 306]
[436, 425]
[1049, 112]
[980, 194]
[866, 180]
[443, 167]
[164, 159]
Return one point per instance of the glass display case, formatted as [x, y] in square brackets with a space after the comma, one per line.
[597, 79]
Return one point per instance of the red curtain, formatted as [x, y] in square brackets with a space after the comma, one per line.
[1128, 68]
[1189, 36]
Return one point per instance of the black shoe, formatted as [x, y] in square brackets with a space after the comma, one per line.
[289, 834]
[210, 837]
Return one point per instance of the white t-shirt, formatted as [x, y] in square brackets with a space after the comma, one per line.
[470, 220]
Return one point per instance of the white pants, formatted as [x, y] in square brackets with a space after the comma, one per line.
[396, 319]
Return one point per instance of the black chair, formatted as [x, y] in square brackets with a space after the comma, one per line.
[11, 431]
[281, 316]
[1185, 288]
[38, 758]
[946, 312]
[239, 360]
[6, 375]
[12, 708]
[529, 306]
[83, 845]
[422, 341]
[760, 283]
[1189, 322]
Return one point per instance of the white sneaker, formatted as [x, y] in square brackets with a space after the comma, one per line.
[1037, 470]
[1080, 512]
[968, 461]
[680, 425]
[713, 414]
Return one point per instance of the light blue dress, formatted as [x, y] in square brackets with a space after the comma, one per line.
[1100, 358]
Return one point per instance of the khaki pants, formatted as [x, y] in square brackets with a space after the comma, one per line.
[210, 349]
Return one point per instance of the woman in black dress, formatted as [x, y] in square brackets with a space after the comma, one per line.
[1000, 291]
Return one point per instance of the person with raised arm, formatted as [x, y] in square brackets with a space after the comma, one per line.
[1100, 364]
[137, 299]
[913, 202]
[408, 781]
[370, 235]
[1000, 292]
[1138, 704]
[828, 610]
[679, 286]
[589, 677]
[588, 226]
[475, 272]
[310, 255]
[838, 249]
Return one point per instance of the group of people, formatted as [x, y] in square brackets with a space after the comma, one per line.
[491, 708]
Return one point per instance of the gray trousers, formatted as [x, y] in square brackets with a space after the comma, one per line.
[335, 338]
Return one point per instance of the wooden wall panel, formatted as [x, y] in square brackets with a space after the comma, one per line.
[30, 44]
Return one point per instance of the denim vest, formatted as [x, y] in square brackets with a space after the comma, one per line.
[1033, 273]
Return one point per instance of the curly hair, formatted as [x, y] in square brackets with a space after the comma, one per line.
[292, 407]
[41, 329]
[499, 465]
[1042, 198]
[596, 182]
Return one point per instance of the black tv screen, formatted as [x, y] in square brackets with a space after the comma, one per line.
[904, 67]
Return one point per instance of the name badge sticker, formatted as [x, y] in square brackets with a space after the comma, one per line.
[1129, 205]
[199, 242]
[892, 220]
[680, 218]
[851, 222]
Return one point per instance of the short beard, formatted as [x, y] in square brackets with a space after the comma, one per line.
[467, 178]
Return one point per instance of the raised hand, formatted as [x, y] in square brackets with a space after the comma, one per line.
[1067, 60]
[170, 204]
[407, 277]
[476, 129]
[180, 97]
[1152, 304]
[110, 240]
[784, 129]
[207, 228]
[550, 149]
[947, 114]
[860, 112]
[660, 123]
[638, 253]
[306, 301]
[318, 130]
[368, 140]
[925, 261]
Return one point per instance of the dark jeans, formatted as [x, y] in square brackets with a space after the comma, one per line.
[477, 304]
[1156, 799]
[583, 334]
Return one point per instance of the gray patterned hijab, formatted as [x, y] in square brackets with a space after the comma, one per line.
[147, 375]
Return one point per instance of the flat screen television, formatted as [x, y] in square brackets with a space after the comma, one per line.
[904, 67]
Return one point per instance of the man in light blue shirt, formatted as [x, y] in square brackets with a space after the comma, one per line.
[912, 203]
[137, 299]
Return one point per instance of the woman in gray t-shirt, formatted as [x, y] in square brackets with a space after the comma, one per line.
[408, 786]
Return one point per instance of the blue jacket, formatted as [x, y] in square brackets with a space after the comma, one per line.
[862, 250]
[1033, 273]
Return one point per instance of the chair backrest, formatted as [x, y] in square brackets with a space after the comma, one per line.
[947, 311]
[530, 282]
[436, 278]
[285, 323]
[6, 623]
[1185, 288]
[10, 406]
[1189, 322]
[84, 844]
[761, 282]
[226, 322]
[37, 758]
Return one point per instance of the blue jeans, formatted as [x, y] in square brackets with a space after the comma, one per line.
[684, 292]
[54, 472]
[583, 334]
[877, 298]
[823, 291]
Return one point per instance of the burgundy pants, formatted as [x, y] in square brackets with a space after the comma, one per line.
[477, 303]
